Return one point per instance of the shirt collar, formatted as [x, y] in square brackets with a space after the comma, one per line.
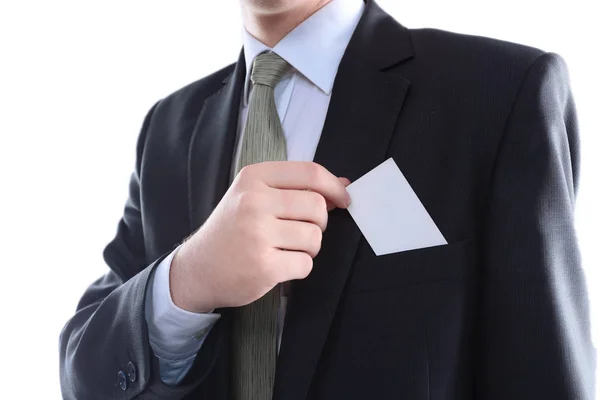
[315, 47]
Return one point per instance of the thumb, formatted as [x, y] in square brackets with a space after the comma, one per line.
[345, 182]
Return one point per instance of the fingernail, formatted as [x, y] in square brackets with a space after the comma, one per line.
[348, 199]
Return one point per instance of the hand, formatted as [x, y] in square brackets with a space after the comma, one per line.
[267, 229]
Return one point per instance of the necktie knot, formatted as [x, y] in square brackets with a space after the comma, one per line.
[268, 69]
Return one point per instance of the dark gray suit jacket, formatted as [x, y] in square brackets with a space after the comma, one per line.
[485, 132]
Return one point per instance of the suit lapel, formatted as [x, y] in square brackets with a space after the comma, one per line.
[209, 167]
[211, 147]
[367, 97]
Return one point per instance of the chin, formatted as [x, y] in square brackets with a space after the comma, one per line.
[278, 6]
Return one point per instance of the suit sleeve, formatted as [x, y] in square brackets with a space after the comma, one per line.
[534, 332]
[104, 348]
[175, 335]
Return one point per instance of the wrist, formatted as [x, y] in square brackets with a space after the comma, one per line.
[186, 292]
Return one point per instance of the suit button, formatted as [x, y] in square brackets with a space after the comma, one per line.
[131, 372]
[122, 380]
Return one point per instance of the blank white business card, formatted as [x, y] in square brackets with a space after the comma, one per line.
[389, 213]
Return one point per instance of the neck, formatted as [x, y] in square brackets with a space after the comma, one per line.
[271, 25]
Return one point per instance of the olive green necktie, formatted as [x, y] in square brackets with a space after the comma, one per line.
[254, 341]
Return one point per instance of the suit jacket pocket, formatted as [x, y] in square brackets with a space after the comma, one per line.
[454, 261]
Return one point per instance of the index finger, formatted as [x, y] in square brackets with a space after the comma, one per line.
[301, 175]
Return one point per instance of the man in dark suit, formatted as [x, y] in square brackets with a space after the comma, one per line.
[484, 131]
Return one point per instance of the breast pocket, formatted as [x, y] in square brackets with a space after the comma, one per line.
[454, 261]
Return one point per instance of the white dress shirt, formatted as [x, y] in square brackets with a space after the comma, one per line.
[314, 49]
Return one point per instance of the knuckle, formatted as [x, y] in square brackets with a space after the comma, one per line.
[249, 202]
[263, 262]
[245, 173]
[258, 229]
[324, 218]
[315, 172]
[305, 264]
[318, 201]
[318, 206]
[315, 236]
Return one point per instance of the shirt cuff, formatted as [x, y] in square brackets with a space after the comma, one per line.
[175, 334]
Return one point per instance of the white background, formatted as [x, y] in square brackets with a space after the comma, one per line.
[76, 79]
